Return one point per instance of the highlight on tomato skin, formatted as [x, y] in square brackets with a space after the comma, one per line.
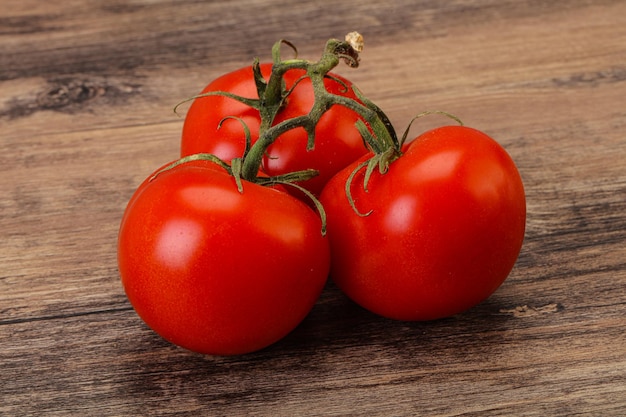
[215, 270]
[445, 226]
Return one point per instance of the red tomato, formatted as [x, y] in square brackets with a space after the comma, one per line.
[338, 142]
[217, 271]
[446, 226]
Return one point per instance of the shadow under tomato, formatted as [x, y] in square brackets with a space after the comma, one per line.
[338, 344]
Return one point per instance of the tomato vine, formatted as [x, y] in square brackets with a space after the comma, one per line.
[378, 134]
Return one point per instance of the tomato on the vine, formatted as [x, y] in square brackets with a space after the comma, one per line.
[337, 141]
[442, 229]
[216, 270]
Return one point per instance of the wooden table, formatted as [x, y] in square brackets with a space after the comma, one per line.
[86, 96]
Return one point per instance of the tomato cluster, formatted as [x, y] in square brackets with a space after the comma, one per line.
[289, 175]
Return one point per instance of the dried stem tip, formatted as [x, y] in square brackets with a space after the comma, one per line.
[355, 39]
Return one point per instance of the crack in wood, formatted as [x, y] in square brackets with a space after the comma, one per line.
[70, 95]
[530, 311]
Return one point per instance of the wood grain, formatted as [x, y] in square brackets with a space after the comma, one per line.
[86, 97]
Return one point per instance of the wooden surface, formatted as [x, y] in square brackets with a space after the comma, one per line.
[86, 96]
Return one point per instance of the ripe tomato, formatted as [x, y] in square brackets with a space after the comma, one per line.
[446, 226]
[338, 143]
[217, 271]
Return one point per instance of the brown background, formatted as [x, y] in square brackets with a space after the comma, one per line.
[86, 96]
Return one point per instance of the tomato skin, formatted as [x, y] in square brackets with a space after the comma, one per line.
[217, 271]
[446, 227]
[338, 143]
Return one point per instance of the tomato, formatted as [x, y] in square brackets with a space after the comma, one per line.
[337, 144]
[217, 271]
[446, 226]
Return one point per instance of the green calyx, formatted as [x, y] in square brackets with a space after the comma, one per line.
[234, 169]
[383, 155]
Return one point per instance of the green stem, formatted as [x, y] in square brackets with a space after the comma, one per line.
[375, 128]
[272, 98]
